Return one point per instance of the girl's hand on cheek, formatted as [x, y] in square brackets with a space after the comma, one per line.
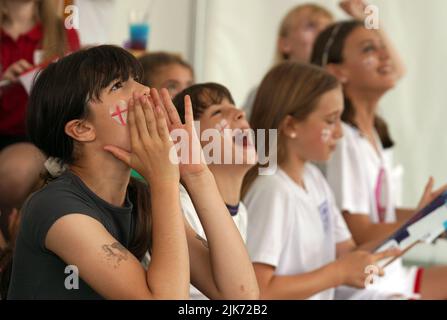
[192, 161]
[150, 143]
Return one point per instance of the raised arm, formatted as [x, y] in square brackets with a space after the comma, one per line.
[223, 257]
[168, 274]
[220, 267]
[356, 9]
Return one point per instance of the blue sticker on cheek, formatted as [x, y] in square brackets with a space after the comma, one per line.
[118, 112]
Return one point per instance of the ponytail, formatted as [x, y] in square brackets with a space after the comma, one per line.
[379, 124]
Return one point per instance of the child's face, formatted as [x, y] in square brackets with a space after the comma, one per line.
[318, 134]
[298, 44]
[366, 62]
[109, 116]
[233, 130]
[173, 77]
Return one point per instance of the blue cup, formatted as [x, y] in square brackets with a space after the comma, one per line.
[139, 36]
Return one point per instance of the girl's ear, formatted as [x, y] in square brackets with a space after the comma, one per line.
[80, 130]
[337, 71]
[289, 127]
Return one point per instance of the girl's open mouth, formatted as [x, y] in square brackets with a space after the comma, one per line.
[243, 139]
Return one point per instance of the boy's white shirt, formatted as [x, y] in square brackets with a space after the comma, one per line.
[191, 216]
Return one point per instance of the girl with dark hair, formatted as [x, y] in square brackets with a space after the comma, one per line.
[89, 111]
[361, 170]
[298, 241]
[214, 109]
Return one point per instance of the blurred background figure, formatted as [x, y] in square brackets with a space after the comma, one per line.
[166, 70]
[297, 33]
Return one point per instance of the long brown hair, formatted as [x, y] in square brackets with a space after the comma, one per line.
[289, 89]
[290, 18]
[328, 48]
[54, 42]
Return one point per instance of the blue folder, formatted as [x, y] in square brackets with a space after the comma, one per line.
[425, 226]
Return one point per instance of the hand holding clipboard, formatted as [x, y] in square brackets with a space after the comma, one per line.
[426, 225]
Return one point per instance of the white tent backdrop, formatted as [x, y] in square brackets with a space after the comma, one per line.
[233, 41]
[170, 21]
[239, 46]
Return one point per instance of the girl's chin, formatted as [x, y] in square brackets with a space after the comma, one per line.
[386, 83]
[321, 158]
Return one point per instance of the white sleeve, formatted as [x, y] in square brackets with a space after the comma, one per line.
[347, 179]
[241, 221]
[267, 208]
[190, 212]
[341, 230]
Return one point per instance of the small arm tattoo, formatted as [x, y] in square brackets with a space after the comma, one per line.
[116, 253]
[204, 242]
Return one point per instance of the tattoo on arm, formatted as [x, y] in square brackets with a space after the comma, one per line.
[204, 242]
[116, 253]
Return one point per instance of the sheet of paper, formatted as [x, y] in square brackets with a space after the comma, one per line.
[27, 79]
[426, 226]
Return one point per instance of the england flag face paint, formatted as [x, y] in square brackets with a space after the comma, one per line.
[326, 135]
[118, 112]
[369, 62]
[221, 126]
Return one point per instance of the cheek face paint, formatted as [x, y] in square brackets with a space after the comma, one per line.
[369, 62]
[326, 135]
[221, 126]
[118, 112]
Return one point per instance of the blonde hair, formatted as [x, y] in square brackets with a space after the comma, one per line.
[289, 89]
[54, 42]
[289, 20]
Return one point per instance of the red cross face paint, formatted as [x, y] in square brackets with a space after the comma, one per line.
[326, 135]
[118, 112]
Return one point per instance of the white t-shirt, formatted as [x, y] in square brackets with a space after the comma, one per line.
[362, 179]
[191, 216]
[292, 229]
[363, 183]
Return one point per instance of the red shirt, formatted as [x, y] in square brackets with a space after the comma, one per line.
[14, 99]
